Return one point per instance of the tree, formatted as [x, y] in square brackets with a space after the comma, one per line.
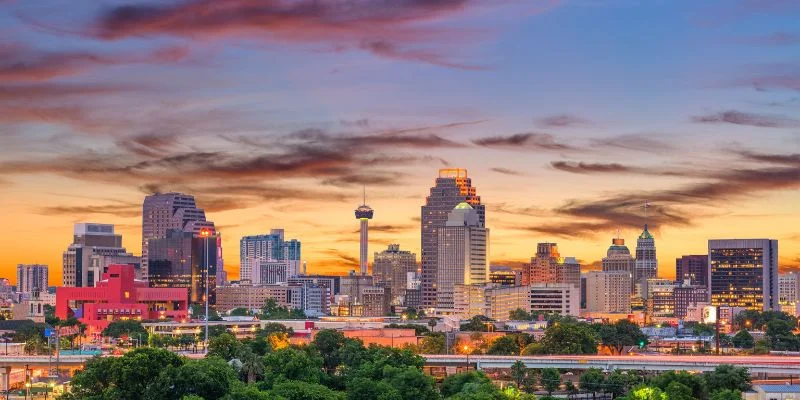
[617, 384]
[646, 393]
[455, 383]
[432, 323]
[550, 380]
[272, 310]
[328, 342]
[505, 346]
[292, 364]
[779, 333]
[568, 338]
[519, 373]
[476, 324]
[619, 334]
[678, 391]
[519, 315]
[743, 339]
[252, 365]
[592, 380]
[727, 376]
[126, 329]
[210, 379]
[411, 382]
[726, 394]
[296, 390]
[433, 343]
[695, 383]
[224, 346]
[368, 389]
[240, 312]
[127, 377]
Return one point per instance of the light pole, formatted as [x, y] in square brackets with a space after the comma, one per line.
[205, 233]
[466, 350]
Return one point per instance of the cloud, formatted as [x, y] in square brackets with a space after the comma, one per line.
[775, 39]
[341, 258]
[19, 63]
[125, 210]
[791, 159]
[747, 119]
[635, 142]
[149, 145]
[584, 168]
[506, 171]
[505, 208]
[782, 76]
[616, 168]
[523, 141]
[396, 29]
[387, 228]
[669, 207]
[562, 121]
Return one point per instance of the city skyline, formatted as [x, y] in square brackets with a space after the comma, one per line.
[568, 115]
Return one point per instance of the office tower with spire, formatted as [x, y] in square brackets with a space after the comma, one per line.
[94, 247]
[744, 273]
[463, 254]
[364, 214]
[268, 259]
[452, 187]
[547, 266]
[162, 212]
[618, 258]
[391, 268]
[646, 261]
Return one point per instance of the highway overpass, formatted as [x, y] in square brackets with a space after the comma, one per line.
[775, 365]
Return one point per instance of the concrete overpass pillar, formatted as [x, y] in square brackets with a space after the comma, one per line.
[5, 378]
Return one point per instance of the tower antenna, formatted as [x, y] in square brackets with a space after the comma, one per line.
[646, 206]
[365, 195]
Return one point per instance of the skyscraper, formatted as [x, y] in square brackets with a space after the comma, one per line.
[272, 252]
[181, 260]
[694, 268]
[162, 212]
[94, 247]
[608, 292]
[618, 258]
[547, 266]
[453, 186]
[463, 254]
[31, 278]
[789, 287]
[390, 268]
[744, 273]
[364, 214]
[646, 261]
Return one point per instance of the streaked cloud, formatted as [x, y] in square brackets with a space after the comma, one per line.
[562, 121]
[749, 119]
[525, 141]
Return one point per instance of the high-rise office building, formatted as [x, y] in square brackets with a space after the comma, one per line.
[497, 302]
[504, 275]
[686, 296]
[660, 297]
[181, 260]
[608, 292]
[789, 287]
[743, 273]
[463, 253]
[268, 259]
[547, 266]
[31, 278]
[94, 247]
[453, 186]
[162, 212]
[390, 268]
[694, 268]
[618, 258]
[646, 261]
[364, 214]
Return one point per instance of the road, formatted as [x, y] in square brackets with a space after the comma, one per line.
[756, 364]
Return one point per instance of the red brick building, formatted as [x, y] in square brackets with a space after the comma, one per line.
[119, 296]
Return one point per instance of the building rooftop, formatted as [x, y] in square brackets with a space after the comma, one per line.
[645, 233]
[779, 388]
[463, 206]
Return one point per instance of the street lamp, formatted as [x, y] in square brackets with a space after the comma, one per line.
[205, 233]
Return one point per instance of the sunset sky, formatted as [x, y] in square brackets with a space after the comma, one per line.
[567, 114]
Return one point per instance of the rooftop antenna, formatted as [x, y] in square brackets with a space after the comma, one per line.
[645, 206]
[365, 195]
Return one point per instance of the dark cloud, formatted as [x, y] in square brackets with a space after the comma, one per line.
[386, 228]
[370, 179]
[616, 168]
[562, 121]
[669, 207]
[341, 258]
[504, 208]
[585, 168]
[506, 171]
[149, 145]
[748, 119]
[385, 28]
[125, 210]
[791, 159]
[20, 63]
[636, 142]
[359, 123]
[524, 141]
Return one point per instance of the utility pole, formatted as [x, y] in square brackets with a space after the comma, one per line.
[716, 330]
